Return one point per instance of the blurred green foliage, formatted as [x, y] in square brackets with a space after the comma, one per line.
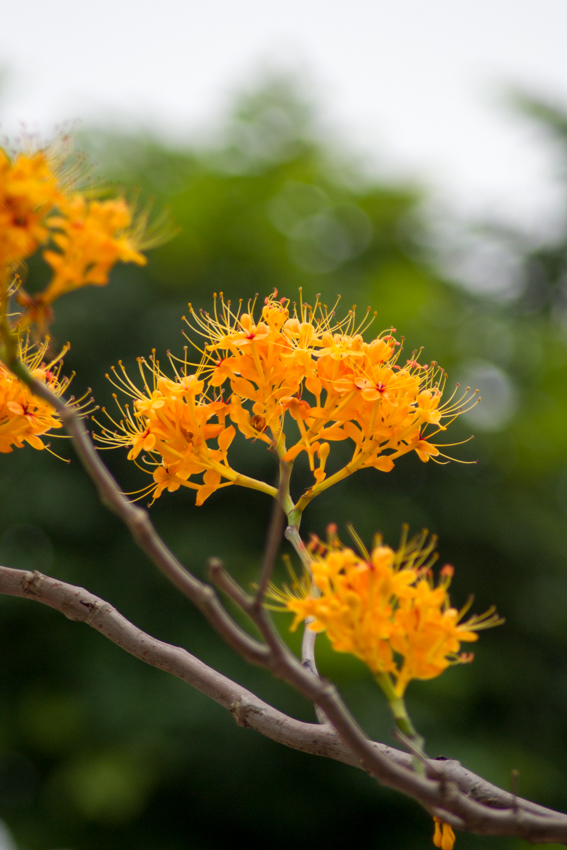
[97, 750]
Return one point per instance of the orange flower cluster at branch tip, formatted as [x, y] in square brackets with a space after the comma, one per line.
[443, 837]
[296, 379]
[24, 417]
[384, 607]
[40, 206]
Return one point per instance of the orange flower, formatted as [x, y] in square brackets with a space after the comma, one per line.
[443, 837]
[290, 376]
[333, 384]
[29, 188]
[92, 237]
[384, 607]
[25, 418]
[183, 432]
[252, 357]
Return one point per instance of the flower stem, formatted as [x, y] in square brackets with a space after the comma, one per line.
[402, 718]
[352, 466]
[241, 480]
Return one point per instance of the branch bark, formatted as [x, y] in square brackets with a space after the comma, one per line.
[495, 811]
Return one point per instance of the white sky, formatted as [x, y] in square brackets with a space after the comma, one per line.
[416, 85]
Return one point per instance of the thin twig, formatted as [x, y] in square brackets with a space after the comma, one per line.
[273, 537]
[309, 636]
[292, 534]
[309, 662]
[308, 647]
[225, 582]
[415, 751]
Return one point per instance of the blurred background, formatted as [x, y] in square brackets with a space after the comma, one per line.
[456, 239]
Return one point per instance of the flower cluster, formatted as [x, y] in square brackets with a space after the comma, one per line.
[24, 417]
[29, 189]
[384, 607]
[92, 236]
[293, 367]
[175, 423]
[40, 206]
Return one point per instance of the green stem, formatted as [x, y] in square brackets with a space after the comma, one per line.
[292, 534]
[292, 511]
[402, 718]
[286, 468]
[241, 480]
[294, 516]
[343, 473]
[284, 494]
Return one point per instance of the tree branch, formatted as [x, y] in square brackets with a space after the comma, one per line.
[485, 807]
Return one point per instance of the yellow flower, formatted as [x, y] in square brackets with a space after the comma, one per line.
[25, 418]
[384, 608]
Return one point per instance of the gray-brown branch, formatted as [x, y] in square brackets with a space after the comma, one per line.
[532, 822]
